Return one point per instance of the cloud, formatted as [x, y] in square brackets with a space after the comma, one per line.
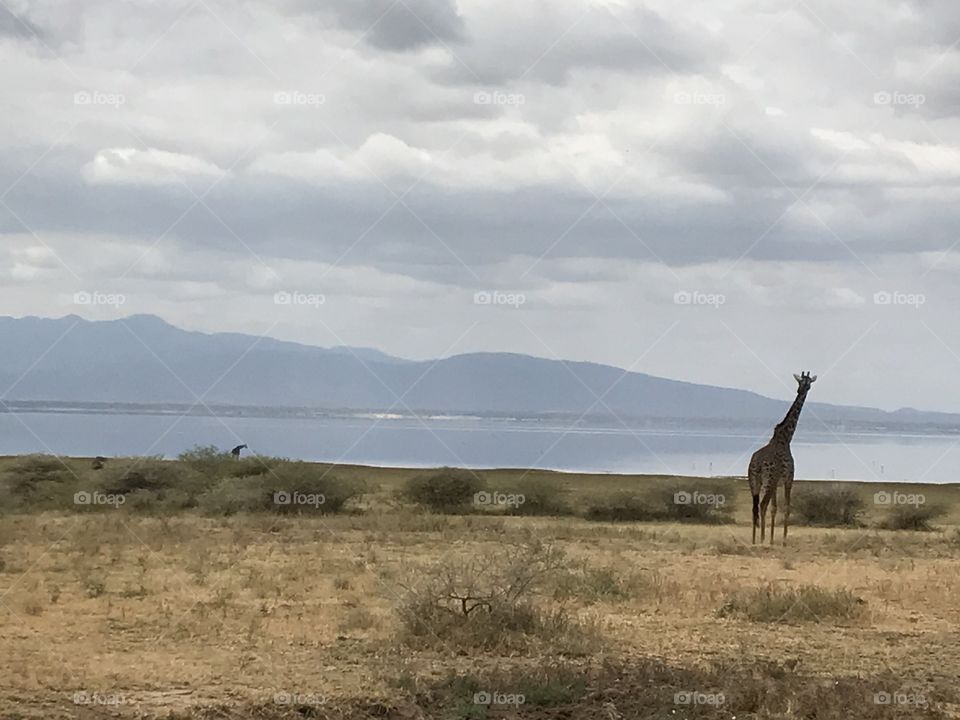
[401, 26]
[123, 166]
[598, 156]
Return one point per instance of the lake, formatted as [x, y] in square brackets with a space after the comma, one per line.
[483, 442]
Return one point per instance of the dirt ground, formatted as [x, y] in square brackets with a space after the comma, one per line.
[118, 615]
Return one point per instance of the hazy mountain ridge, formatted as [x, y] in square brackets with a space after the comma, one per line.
[143, 359]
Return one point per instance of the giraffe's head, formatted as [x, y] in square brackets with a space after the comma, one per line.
[804, 381]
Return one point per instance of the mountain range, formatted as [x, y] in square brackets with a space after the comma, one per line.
[144, 360]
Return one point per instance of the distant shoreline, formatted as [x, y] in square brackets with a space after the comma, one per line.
[692, 426]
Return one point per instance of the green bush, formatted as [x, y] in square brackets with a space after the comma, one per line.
[236, 495]
[691, 505]
[622, 507]
[828, 507]
[29, 475]
[290, 488]
[540, 497]
[148, 473]
[912, 517]
[444, 490]
[214, 464]
[663, 504]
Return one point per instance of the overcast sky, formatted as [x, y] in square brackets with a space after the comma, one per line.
[723, 192]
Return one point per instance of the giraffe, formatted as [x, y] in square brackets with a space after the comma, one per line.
[236, 451]
[773, 464]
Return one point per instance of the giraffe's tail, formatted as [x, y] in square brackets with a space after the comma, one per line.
[756, 509]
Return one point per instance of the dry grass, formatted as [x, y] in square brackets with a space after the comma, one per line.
[192, 616]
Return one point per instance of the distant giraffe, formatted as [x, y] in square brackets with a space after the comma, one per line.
[773, 464]
[236, 451]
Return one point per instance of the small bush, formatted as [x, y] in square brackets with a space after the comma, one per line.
[231, 496]
[663, 504]
[215, 464]
[540, 497]
[444, 490]
[35, 478]
[487, 602]
[149, 473]
[912, 517]
[623, 507]
[808, 603]
[289, 488]
[691, 505]
[828, 507]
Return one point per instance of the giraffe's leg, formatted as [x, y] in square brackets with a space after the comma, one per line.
[763, 518]
[756, 516]
[773, 515]
[786, 510]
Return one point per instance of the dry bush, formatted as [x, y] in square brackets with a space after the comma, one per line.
[809, 603]
[487, 601]
[912, 517]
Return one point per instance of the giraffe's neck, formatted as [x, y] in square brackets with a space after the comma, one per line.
[783, 432]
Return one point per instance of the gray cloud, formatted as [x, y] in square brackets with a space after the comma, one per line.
[401, 25]
[743, 152]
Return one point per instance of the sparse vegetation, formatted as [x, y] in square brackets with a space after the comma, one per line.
[807, 603]
[912, 517]
[477, 599]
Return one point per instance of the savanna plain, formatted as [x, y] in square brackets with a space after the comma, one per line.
[209, 587]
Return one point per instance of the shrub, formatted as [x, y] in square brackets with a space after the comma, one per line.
[444, 490]
[689, 505]
[215, 464]
[540, 497]
[235, 495]
[805, 603]
[298, 479]
[31, 477]
[661, 504]
[149, 473]
[623, 507]
[487, 602]
[912, 517]
[828, 507]
[290, 487]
